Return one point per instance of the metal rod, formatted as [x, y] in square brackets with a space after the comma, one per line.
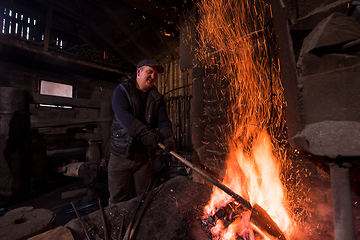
[106, 232]
[214, 181]
[80, 208]
[64, 125]
[146, 203]
[81, 222]
[187, 85]
[121, 228]
[128, 230]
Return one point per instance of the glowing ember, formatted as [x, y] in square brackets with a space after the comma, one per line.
[255, 115]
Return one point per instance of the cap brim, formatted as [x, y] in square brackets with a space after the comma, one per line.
[158, 67]
[151, 63]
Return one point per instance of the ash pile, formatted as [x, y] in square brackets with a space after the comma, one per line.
[174, 211]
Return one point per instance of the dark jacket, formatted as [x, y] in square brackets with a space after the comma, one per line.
[120, 142]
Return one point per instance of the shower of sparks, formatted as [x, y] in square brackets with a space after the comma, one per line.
[235, 49]
[255, 92]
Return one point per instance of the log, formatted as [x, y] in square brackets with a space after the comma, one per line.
[59, 233]
[73, 193]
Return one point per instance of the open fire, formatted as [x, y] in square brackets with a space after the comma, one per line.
[233, 30]
[255, 176]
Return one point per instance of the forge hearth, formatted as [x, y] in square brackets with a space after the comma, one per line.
[174, 212]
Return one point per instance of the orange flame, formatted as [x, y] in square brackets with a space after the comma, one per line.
[254, 108]
[255, 176]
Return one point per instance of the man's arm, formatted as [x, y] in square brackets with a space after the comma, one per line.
[121, 107]
[124, 115]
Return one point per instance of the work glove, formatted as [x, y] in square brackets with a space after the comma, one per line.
[168, 138]
[140, 131]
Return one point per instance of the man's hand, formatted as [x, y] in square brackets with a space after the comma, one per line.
[170, 145]
[150, 138]
[140, 131]
[168, 138]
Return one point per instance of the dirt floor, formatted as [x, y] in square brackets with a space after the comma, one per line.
[51, 199]
[174, 210]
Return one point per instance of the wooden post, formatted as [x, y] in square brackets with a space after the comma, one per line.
[47, 28]
[287, 65]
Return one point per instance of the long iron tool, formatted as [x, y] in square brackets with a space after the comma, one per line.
[259, 217]
[131, 229]
[106, 232]
[141, 214]
[81, 222]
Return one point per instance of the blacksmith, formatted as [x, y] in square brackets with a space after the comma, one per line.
[140, 122]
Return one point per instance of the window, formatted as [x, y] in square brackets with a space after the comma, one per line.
[56, 89]
[15, 23]
[11, 24]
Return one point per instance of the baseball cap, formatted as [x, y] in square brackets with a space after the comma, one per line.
[151, 63]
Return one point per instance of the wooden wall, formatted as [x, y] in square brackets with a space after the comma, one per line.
[176, 86]
[53, 129]
[27, 78]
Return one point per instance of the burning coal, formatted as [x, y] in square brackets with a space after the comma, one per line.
[233, 39]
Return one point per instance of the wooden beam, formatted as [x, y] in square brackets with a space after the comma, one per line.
[23, 10]
[87, 41]
[63, 101]
[156, 6]
[64, 9]
[39, 16]
[156, 9]
[47, 28]
[113, 45]
[67, 57]
[163, 39]
[73, 14]
[125, 29]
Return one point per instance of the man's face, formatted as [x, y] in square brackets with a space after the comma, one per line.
[146, 77]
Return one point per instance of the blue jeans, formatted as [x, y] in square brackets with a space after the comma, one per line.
[124, 173]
